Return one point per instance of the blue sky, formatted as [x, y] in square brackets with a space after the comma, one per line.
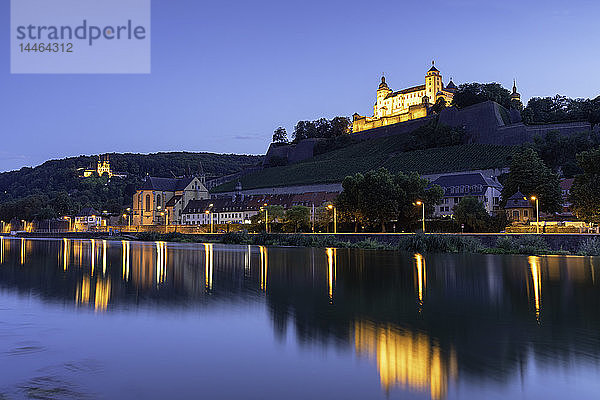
[225, 74]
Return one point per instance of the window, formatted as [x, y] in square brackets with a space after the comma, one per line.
[158, 200]
[516, 214]
[526, 213]
[147, 202]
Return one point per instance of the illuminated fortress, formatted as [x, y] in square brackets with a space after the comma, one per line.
[403, 105]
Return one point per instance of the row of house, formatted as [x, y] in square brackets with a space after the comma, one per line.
[186, 200]
[240, 209]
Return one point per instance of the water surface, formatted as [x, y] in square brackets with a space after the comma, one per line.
[104, 319]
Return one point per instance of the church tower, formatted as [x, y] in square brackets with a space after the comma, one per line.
[433, 83]
[515, 96]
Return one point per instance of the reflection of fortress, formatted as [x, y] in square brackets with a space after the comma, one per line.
[407, 359]
[399, 312]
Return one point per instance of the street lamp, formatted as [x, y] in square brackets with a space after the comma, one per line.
[420, 203]
[537, 212]
[266, 217]
[69, 219]
[207, 212]
[332, 207]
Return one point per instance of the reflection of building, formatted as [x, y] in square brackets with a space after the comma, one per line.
[518, 208]
[485, 189]
[161, 201]
[406, 359]
[393, 107]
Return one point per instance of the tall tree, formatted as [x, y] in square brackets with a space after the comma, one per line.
[297, 217]
[531, 176]
[585, 193]
[280, 135]
[349, 201]
[473, 93]
[472, 214]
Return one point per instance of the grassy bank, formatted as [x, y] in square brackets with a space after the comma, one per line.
[419, 243]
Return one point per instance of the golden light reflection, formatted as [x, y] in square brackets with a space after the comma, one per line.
[161, 262]
[208, 256]
[93, 254]
[536, 274]
[82, 295]
[66, 253]
[22, 259]
[264, 267]
[421, 277]
[1, 250]
[331, 270]
[103, 257]
[409, 360]
[247, 257]
[102, 294]
[126, 259]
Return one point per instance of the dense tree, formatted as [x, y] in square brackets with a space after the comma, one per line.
[379, 202]
[349, 201]
[559, 151]
[472, 213]
[531, 176]
[585, 193]
[280, 135]
[439, 105]
[412, 188]
[323, 218]
[543, 110]
[321, 128]
[474, 93]
[378, 197]
[297, 218]
[434, 135]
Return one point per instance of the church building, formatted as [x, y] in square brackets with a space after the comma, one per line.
[406, 104]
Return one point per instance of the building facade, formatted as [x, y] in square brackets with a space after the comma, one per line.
[88, 220]
[457, 186]
[239, 209]
[406, 104]
[519, 209]
[161, 201]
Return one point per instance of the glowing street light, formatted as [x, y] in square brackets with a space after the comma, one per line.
[332, 207]
[207, 212]
[537, 211]
[266, 217]
[67, 218]
[420, 203]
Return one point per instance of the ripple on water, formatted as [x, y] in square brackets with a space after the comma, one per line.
[50, 388]
[25, 350]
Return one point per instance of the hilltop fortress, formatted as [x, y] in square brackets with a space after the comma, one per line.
[403, 111]
[403, 105]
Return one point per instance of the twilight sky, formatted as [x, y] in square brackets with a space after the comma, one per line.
[225, 74]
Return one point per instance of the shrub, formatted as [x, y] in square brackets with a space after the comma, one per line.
[439, 243]
[590, 247]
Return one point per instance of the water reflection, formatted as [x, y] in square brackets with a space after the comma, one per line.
[424, 322]
[410, 360]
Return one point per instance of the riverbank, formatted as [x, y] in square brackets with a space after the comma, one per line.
[532, 244]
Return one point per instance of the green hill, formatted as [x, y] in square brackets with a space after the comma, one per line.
[55, 188]
[334, 166]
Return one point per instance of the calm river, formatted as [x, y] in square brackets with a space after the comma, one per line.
[110, 320]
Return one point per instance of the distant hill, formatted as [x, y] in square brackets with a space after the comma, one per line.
[334, 166]
[54, 188]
